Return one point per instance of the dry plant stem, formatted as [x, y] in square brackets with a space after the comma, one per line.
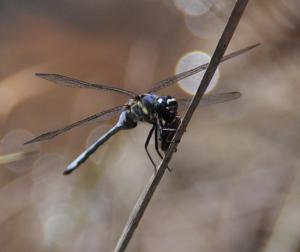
[145, 197]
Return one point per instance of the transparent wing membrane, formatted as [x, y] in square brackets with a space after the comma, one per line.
[71, 82]
[210, 99]
[107, 114]
[104, 115]
[174, 79]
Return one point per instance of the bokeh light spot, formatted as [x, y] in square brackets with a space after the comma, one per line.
[59, 222]
[48, 181]
[192, 60]
[193, 7]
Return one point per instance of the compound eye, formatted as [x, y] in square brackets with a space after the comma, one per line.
[171, 101]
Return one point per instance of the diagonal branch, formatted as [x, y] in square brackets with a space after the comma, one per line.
[146, 195]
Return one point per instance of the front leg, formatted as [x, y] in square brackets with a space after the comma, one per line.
[147, 143]
[156, 142]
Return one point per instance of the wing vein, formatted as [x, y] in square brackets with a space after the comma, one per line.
[104, 115]
[174, 79]
[71, 82]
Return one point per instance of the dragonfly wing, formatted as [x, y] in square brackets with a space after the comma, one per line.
[174, 79]
[71, 82]
[104, 115]
[211, 99]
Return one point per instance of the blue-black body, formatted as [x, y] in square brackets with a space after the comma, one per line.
[160, 111]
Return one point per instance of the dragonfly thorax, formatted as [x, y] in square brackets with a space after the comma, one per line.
[153, 108]
[143, 107]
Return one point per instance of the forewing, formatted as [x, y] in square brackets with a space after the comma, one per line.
[174, 79]
[210, 99]
[71, 82]
[104, 115]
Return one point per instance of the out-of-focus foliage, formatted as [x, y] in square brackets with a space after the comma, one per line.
[235, 182]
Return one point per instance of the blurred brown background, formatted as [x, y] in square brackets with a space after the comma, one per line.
[235, 181]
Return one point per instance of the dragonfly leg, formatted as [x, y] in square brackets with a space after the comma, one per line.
[177, 141]
[147, 143]
[156, 146]
[156, 143]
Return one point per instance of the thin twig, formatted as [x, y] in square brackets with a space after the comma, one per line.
[146, 195]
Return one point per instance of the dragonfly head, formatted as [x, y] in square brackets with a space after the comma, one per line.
[166, 107]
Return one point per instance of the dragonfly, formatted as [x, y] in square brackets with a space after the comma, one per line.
[159, 111]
